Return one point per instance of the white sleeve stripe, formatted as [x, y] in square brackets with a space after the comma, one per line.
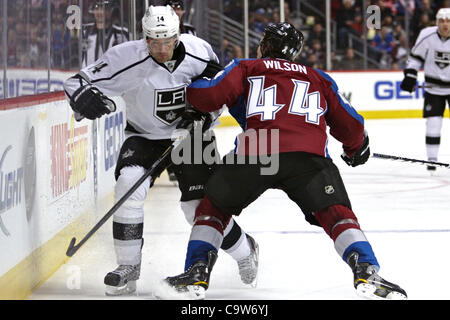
[417, 44]
[122, 70]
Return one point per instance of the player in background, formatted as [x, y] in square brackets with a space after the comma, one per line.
[296, 104]
[102, 34]
[432, 51]
[151, 75]
[178, 7]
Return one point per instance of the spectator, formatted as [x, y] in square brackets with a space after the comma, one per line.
[12, 48]
[23, 57]
[444, 4]
[225, 54]
[344, 18]
[400, 53]
[423, 22]
[34, 49]
[349, 61]
[237, 52]
[405, 6]
[358, 25]
[317, 33]
[233, 10]
[398, 32]
[388, 22]
[387, 7]
[314, 55]
[260, 20]
[383, 42]
[425, 7]
[60, 43]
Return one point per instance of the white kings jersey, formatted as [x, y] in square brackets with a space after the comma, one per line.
[154, 93]
[433, 52]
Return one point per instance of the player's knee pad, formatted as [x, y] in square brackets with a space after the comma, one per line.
[207, 214]
[433, 126]
[127, 178]
[336, 219]
[189, 208]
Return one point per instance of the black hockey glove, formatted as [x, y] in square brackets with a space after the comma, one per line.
[212, 68]
[361, 156]
[191, 116]
[89, 102]
[409, 82]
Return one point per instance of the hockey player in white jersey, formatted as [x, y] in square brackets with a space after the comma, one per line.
[432, 50]
[178, 7]
[151, 75]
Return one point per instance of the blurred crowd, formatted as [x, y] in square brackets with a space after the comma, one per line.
[387, 45]
[27, 35]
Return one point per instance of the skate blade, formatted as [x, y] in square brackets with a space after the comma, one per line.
[129, 289]
[166, 292]
[252, 284]
[367, 290]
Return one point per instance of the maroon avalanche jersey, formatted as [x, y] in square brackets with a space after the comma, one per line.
[286, 106]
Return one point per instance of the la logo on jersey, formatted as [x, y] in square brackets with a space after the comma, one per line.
[169, 104]
[442, 59]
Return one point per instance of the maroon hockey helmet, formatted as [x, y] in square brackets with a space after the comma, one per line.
[281, 40]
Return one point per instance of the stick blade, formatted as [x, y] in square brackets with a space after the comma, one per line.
[71, 249]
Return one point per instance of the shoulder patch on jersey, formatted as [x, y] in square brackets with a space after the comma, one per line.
[122, 70]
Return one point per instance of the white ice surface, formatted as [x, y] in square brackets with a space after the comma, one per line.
[402, 209]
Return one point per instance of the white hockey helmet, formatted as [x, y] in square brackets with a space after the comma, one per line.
[443, 13]
[160, 22]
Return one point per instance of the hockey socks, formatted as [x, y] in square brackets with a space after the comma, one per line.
[341, 224]
[207, 232]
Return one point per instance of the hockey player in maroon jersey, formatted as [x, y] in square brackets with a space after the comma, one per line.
[274, 94]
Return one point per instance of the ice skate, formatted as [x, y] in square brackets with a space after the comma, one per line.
[248, 267]
[195, 281]
[430, 168]
[122, 281]
[369, 284]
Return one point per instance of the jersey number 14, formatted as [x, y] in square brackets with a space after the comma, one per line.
[263, 101]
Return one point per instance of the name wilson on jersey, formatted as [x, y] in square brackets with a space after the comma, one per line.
[286, 66]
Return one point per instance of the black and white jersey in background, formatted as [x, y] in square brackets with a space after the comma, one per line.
[93, 42]
[154, 93]
[433, 52]
[188, 28]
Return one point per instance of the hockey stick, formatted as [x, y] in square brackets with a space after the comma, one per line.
[428, 86]
[389, 157]
[154, 171]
